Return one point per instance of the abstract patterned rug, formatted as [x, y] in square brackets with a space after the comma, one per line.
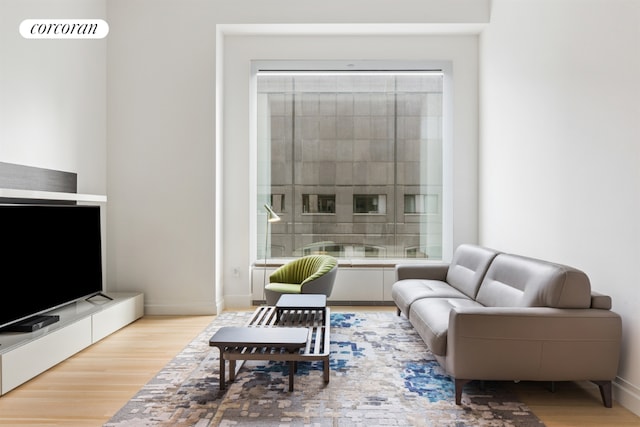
[382, 374]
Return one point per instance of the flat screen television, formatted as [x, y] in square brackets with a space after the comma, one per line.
[50, 256]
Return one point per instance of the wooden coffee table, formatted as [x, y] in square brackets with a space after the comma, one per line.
[244, 342]
[253, 341]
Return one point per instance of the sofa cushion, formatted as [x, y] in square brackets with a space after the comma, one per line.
[468, 267]
[406, 292]
[517, 281]
[430, 318]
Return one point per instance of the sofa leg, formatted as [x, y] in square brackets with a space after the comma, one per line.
[605, 392]
[398, 311]
[458, 386]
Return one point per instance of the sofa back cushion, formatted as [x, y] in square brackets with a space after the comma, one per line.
[517, 281]
[468, 267]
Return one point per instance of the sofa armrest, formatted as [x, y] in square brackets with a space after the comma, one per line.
[537, 344]
[422, 271]
[600, 301]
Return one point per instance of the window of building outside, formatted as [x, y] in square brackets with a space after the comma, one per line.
[319, 203]
[369, 204]
[352, 162]
[421, 204]
[277, 202]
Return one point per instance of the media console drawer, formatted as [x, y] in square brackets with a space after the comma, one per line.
[24, 356]
[117, 316]
[36, 356]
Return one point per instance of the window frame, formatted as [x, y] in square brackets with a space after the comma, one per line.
[446, 198]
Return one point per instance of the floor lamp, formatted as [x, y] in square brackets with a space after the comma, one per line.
[271, 217]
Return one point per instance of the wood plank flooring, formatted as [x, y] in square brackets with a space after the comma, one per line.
[87, 389]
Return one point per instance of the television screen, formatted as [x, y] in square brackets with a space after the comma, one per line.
[49, 256]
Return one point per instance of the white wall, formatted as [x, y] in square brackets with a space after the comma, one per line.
[161, 161]
[53, 94]
[560, 151]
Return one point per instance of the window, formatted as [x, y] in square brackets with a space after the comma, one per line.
[369, 204]
[355, 156]
[421, 204]
[277, 203]
[319, 203]
[416, 252]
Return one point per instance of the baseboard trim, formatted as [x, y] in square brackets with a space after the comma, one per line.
[180, 310]
[627, 395]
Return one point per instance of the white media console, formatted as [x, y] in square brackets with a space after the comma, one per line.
[24, 355]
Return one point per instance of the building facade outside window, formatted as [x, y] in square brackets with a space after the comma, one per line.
[354, 161]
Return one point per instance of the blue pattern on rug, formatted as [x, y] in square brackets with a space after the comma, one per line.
[381, 374]
[425, 378]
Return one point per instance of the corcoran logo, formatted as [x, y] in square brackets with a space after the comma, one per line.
[64, 29]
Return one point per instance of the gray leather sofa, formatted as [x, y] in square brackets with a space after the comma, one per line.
[496, 316]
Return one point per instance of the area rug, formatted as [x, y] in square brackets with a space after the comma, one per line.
[382, 374]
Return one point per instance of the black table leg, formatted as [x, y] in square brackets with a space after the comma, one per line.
[291, 374]
[222, 374]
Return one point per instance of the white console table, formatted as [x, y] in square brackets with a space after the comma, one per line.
[24, 355]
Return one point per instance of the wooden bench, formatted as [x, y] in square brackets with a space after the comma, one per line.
[251, 342]
[257, 343]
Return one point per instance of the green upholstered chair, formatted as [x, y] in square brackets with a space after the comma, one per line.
[311, 274]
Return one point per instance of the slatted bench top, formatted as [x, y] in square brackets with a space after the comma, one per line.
[316, 320]
[235, 336]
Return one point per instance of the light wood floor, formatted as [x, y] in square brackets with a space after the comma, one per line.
[87, 389]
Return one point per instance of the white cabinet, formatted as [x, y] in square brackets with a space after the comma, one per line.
[106, 322]
[388, 279]
[356, 283]
[24, 355]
